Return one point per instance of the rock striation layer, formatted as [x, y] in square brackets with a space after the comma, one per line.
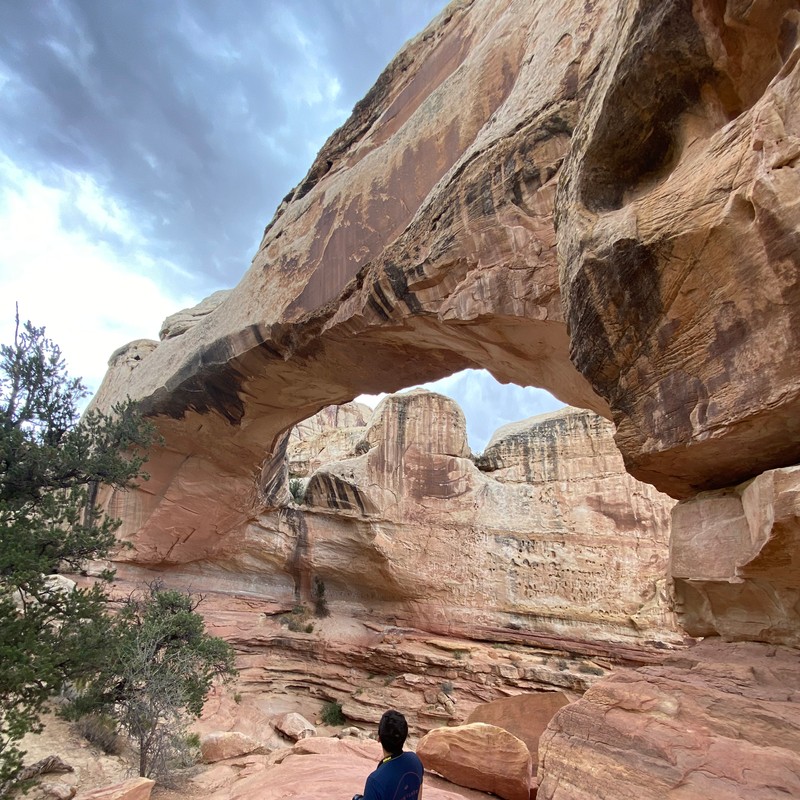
[719, 721]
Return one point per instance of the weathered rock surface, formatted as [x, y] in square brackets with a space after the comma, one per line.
[177, 324]
[329, 769]
[736, 560]
[133, 789]
[576, 551]
[219, 745]
[681, 279]
[330, 435]
[717, 721]
[524, 715]
[479, 756]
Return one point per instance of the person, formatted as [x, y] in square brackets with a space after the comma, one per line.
[398, 776]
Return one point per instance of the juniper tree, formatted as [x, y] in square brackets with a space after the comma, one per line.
[51, 465]
[159, 664]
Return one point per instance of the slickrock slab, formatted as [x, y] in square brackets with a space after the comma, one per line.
[524, 715]
[219, 745]
[133, 789]
[333, 776]
[330, 745]
[479, 756]
[719, 721]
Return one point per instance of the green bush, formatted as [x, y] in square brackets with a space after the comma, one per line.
[193, 740]
[332, 713]
[297, 490]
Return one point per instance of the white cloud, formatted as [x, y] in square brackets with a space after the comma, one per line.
[91, 296]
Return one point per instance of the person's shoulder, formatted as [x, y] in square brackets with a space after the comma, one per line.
[410, 757]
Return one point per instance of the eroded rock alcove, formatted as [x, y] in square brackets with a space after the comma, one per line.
[663, 140]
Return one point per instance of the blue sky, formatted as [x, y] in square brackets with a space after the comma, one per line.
[145, 145]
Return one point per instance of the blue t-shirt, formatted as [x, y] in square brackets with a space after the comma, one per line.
[399, 778]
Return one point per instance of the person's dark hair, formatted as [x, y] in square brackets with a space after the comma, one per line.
[392, 732]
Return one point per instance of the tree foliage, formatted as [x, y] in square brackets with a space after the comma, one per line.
[161, 664]
[51, 465]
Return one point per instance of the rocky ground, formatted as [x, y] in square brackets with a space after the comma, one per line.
[321, 765]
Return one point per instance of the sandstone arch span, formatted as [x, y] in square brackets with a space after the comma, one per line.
[421, 243]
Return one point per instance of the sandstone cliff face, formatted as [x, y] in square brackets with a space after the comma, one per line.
[680, 249]
[663, 139]
[578, 551]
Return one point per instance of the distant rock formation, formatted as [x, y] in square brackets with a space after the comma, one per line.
[550, 535]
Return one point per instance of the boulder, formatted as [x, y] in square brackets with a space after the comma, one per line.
[735, 560]
[133, 789]
[479, 756]
[219, 745]
[294, 726]
[58, 791]
[524, 715]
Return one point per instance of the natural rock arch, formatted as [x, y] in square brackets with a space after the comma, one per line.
[422, 242]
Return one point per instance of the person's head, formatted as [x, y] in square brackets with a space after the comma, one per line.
[392, 732]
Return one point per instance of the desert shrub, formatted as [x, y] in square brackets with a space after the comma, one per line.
[320, 603]
[297, 490]
[332, 713]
